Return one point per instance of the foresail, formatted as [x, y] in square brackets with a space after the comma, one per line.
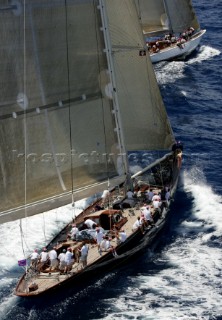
[182, 15]
[57, 129]
[153, 16]
[145, 123]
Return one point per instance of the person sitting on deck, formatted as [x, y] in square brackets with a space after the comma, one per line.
[157, 205]
[156, 196]
[155, 49]
[53, 259]
[98, 207]
[84, 254]
[62, 262]
[122, 235]
[149, 195]
[108, 244]
[103, 244]
[148, 219]
[129, 194]
[138, 224]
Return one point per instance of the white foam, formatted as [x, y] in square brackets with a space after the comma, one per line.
[37, 231]
[204, 53]
[169, 72]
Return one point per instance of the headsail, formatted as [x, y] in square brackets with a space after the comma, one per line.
[145, 123]
[55, 107]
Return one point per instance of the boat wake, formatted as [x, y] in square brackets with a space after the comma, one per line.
[170, 72]
[204, 53]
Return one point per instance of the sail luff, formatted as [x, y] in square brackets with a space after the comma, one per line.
[123, 153]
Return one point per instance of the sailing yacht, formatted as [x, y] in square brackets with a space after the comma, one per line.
[171, 28]
[80, 95]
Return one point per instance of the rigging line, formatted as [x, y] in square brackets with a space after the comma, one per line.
[109, 54]
[23, 238]
[24, 128]
[43, 218]
[69, 104]
[103, 113]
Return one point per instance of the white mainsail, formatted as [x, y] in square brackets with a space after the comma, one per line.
[172, 15]
[55, 70]
[144, 120]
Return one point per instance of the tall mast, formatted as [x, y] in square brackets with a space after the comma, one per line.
[116, 110]
[168, 15]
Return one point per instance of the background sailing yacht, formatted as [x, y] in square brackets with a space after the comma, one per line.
[161, 17]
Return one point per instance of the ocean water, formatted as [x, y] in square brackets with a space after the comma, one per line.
[182, 278]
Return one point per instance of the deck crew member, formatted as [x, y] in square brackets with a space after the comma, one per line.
[148, 219]
[90, 224]
[69, 260]
[53, 259]
[44, 257]
[74, 231]
[84, 254]
[34, 258]
[61, 258]
[149, 195]
[130, 194]
[99, 238]
[138, 224]
[103, 244]
[122, 235]
[105, 197]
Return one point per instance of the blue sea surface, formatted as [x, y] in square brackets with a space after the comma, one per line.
[182, 278]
